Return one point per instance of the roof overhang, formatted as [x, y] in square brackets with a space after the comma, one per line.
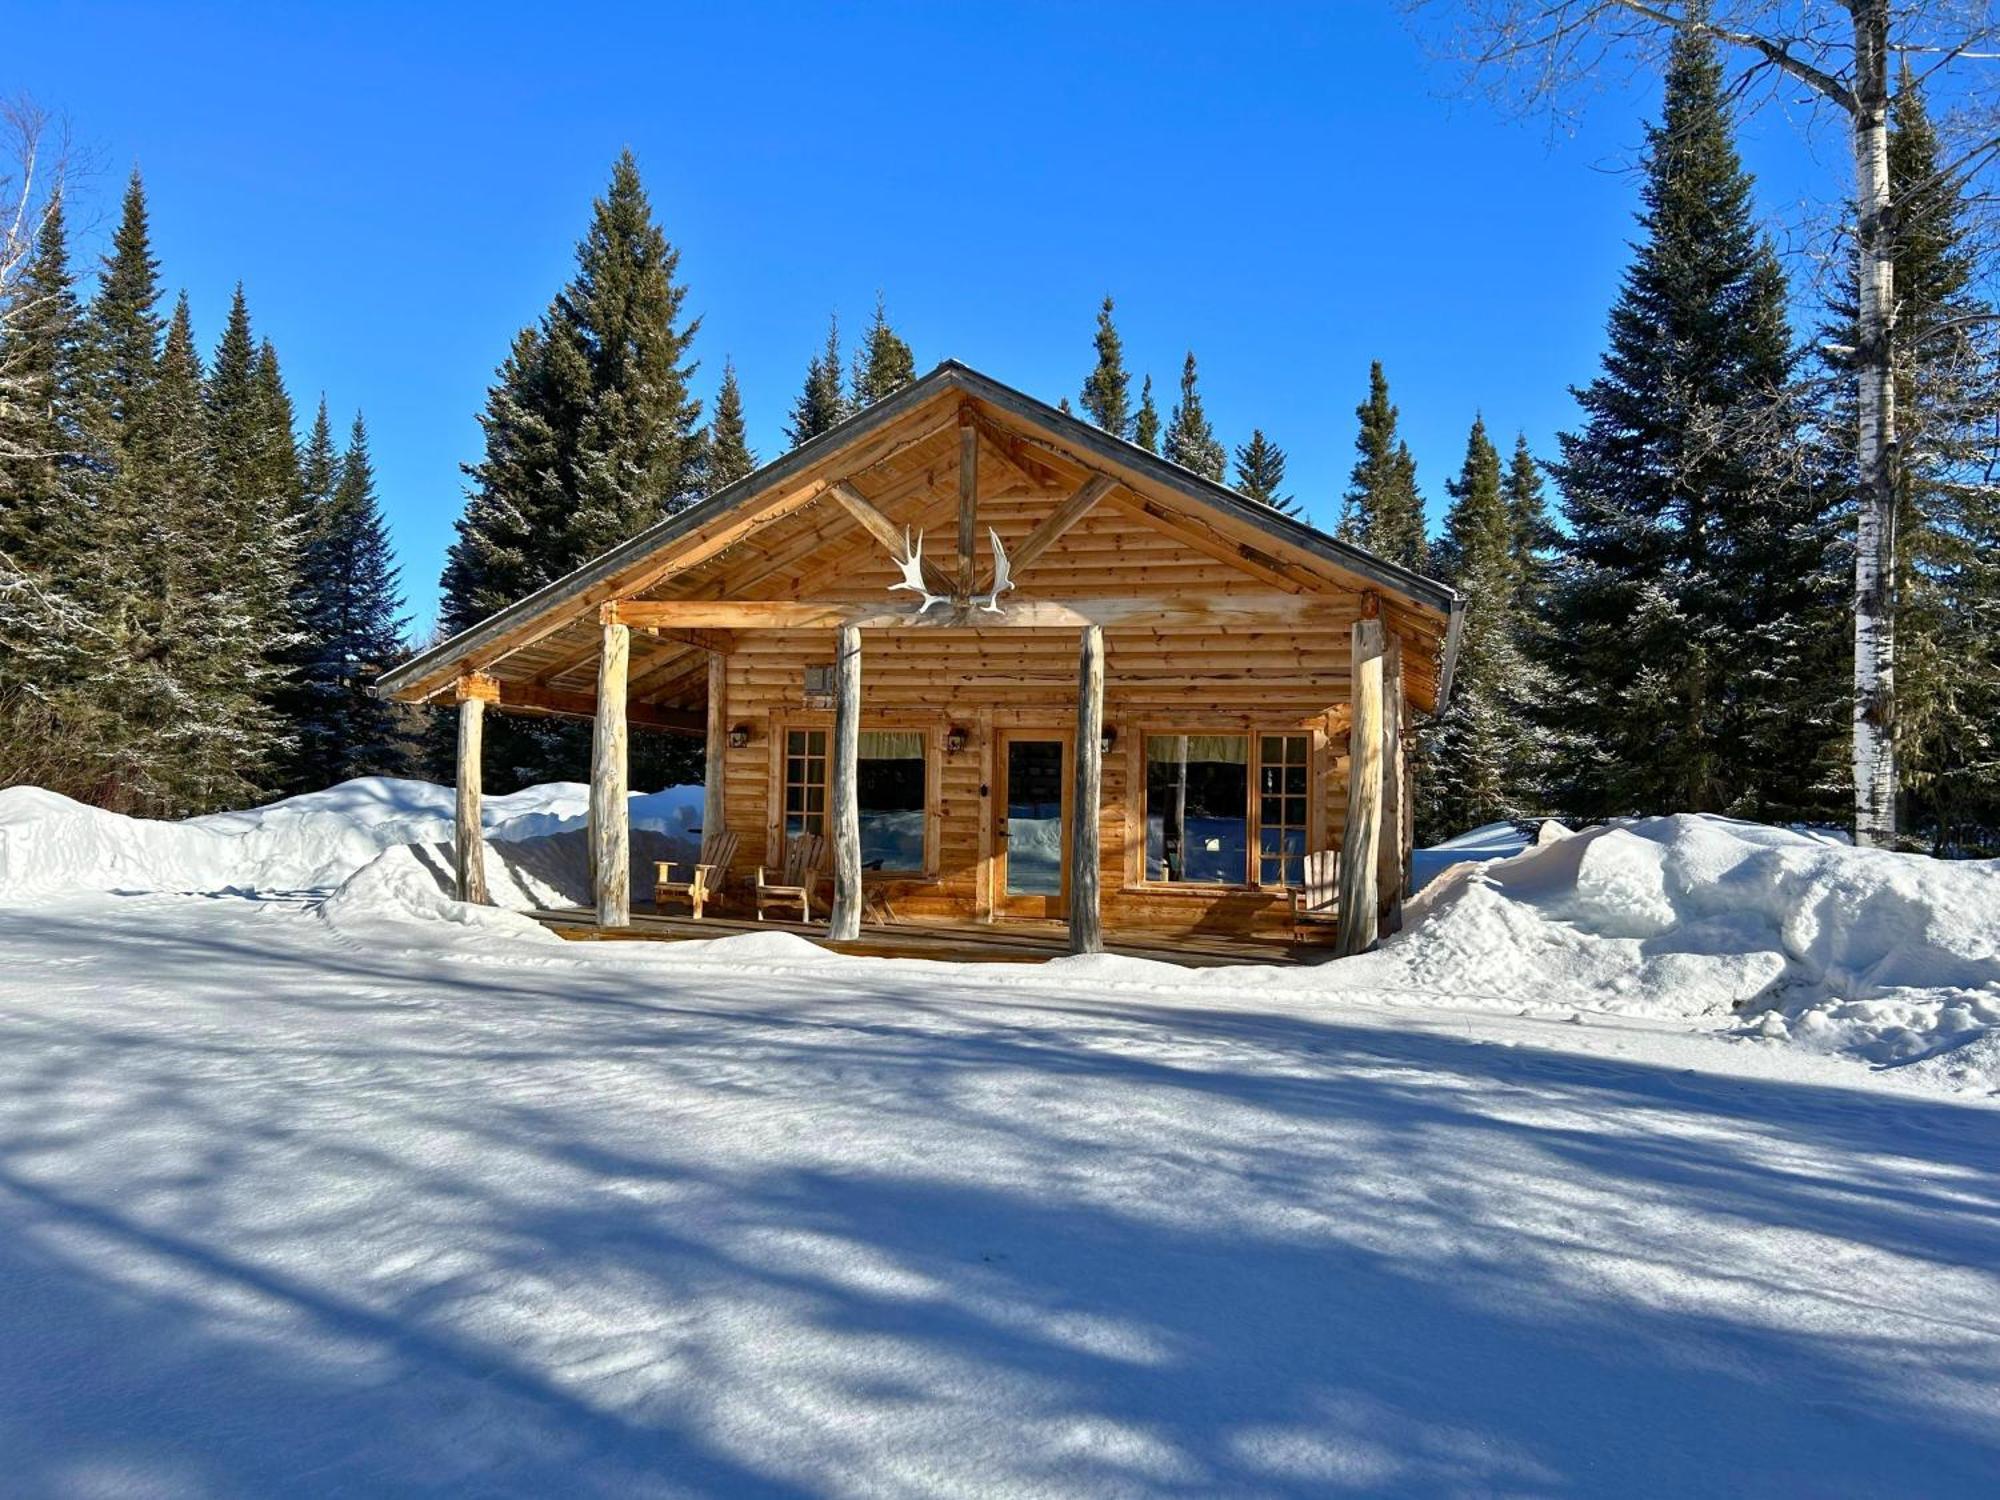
[810, 470]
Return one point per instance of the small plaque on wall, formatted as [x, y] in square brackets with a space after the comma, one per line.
[819, 686]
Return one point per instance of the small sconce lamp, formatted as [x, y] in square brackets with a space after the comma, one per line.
[1109, 738]
[739, 736]
[954, 739]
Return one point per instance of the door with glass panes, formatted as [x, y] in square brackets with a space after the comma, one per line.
[1031, 822]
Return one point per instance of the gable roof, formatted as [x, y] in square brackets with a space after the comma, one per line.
[421, 676]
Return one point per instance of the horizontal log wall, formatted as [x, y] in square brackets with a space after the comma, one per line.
[1026, 679]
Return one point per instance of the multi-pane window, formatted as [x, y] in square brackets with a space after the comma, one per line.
[1282, 770]
[805, 781]
[889, 786]
[1199, 808]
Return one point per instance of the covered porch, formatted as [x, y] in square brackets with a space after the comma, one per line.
[1017, 942]
[1117, 708]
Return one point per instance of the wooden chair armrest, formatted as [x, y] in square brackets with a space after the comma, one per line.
[662, 868]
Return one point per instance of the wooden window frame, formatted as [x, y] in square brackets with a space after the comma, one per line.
[783, 725]
[1136, 876]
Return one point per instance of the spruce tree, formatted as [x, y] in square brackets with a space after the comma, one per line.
[883, 364]
[1533, 536]
[213, 740]
[728, 454]
[354, 623]
[822, 403]
[254, 493]
[1190, 441]
[1260, 473]
[60, 681]
[125, 323]
[590, 436]
[1384, 512]
[1146, 426]
[635, 444]
[1106, 393]
[1482, 757]
[1696, 612]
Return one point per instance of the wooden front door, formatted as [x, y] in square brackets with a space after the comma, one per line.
[1031, 823]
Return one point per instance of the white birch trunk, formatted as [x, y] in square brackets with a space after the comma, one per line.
[1875, 550]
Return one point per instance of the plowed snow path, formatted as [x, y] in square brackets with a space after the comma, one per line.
[285, 1215]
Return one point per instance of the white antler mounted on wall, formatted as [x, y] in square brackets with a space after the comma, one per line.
[911, 565]
[1002, 578]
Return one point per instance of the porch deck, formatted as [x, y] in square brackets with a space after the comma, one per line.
[1010, 942]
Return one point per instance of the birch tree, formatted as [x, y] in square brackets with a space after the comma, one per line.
[1537, 54]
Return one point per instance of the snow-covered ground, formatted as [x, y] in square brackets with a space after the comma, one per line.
[375, 1195]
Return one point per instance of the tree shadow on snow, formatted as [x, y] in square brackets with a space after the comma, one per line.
[641, 1231]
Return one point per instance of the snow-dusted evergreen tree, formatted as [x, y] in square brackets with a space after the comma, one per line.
[58, 691]
[1695, 621]
[1260, 473]
[1190, 441]
[1533, 536]
[591, 435]
[635, 438]
[883, 364]
[1482, 754]
[353, 619]
[1146, 425]
[728, 455]
[1107, 392]
[822, 402]
[214, 740]
[254, 519]
[1384, 512]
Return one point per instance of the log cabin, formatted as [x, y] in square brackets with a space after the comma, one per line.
[1012, 668]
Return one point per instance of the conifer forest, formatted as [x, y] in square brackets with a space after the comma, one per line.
[197, 586]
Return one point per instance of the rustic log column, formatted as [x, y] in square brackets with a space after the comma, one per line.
[468, 840]
[844, 794]
[1395, 791]
[1085, 933]
[713, 811]
[610, 818]
[1360, 841]
[968, 499]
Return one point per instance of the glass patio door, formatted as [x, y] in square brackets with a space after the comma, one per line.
[1032, 847]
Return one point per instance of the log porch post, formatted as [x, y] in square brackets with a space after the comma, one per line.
[844, 923]
[1085, 933]
[468, 840]
[610, 818]
[1360, 842]
[1395, 791]
[717, 748]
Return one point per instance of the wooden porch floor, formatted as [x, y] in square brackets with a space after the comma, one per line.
[1013, 942]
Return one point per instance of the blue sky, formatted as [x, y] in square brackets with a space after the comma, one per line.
[1290, 191]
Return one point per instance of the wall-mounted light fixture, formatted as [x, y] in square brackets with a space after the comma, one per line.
[739, 736]
[1110, 738]
[954, 739]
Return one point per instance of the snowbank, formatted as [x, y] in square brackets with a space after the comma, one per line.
[1890, 957]
[417, 881]
[308, 843]
[1491, 841]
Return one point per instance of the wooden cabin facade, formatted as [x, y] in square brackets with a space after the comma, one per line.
[1154, 705]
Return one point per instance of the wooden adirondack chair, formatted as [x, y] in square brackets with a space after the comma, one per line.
[710, 871]
[1316, 903]
[803, 857]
